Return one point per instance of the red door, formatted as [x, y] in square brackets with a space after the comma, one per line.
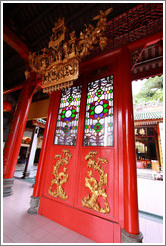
[81, 169]
[95, 190]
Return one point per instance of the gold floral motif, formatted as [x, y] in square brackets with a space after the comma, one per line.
[59, 63]
[96, 187]
[60, 177]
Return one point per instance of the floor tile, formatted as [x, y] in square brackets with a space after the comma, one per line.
[15, 234]
[21, 227]
[60, 231]
[50, 226]
[49, 238]
[83, 239]
[70, 237]
[27, 239]
[6, 239]
[38, 233]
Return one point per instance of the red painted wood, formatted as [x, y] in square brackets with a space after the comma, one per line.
[13, 143]
[127, 151]
[77, 167]
[37, 83]
[11, 39]
[93, 227]
[147, 74]
[122, 187]
[43, 155]
[148, 40]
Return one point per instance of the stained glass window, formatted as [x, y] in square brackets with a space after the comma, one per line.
[98, 129]
[67, 122]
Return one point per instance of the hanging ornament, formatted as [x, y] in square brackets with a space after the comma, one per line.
[7, 107]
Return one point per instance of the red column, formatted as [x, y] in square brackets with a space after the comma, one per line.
[13, 143]
[45, 145]
[127, 157]
[39, 180]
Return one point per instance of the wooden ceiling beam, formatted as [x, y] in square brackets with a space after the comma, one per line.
[17, 44]
[37, 82]
[80, 12]
[146, 74]
[17, 9]
[39, 17]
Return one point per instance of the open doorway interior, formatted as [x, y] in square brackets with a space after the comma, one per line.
[148, 123]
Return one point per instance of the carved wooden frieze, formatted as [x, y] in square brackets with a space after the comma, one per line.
[59, 63]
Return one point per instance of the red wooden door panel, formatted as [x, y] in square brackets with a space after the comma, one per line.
[88, 182]
[94, 188]
[63, 192]
[103, 203]
[62, 161]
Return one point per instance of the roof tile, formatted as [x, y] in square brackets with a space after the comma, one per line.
[148, 115]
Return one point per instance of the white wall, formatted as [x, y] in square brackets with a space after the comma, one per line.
[27, 134]
[151, 196]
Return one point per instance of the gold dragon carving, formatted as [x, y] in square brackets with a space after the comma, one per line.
[59, 63]
[96, 187]
[60, 178]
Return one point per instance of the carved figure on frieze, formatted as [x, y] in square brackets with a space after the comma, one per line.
[58, 34]
[65, 50]
[96, 187]
[60, 178]
[102, 19]
[72, 44]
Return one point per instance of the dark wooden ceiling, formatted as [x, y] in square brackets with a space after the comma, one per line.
[33, 23]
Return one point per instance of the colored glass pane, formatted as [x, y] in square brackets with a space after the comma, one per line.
[98, 130]
[68, 116]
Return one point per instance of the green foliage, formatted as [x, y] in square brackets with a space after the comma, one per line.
[152, 91]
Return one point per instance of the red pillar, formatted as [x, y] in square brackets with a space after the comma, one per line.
[37, 192]
[45, 146]
[127, 154]
[13, 143]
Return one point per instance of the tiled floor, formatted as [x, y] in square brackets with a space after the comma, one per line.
[21, 227]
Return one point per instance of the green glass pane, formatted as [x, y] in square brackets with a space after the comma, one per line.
[105, 110]
[105, 105]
